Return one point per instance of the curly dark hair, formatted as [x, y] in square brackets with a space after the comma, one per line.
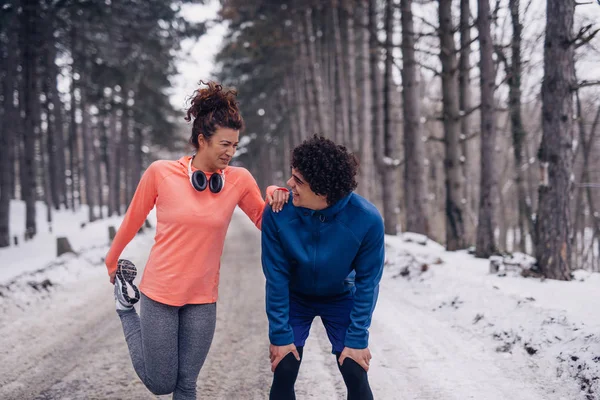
[211, 107]
[329, 169]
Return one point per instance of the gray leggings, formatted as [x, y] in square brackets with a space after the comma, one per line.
[169, 345]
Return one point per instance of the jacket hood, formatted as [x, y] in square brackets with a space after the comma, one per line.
[326, 214]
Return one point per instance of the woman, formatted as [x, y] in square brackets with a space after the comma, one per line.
[195, 198]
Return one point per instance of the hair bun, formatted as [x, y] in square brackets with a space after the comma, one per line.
[210, 99]
[210, 103]
[212, 107]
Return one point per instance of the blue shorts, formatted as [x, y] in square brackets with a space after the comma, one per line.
[334, 312]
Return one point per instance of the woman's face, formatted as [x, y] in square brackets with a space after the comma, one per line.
[218, 151]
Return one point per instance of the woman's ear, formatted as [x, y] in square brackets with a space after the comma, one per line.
[201, 139]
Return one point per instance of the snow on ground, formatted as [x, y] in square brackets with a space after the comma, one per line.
[547, 330]
[552, 326]
[31, 270]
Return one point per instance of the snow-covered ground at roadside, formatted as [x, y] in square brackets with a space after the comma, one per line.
[549, 329]
[552, 326]
[31, 270]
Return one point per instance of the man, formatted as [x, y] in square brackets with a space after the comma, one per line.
[322, 257]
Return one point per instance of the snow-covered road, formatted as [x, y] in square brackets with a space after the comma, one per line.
[70, 345]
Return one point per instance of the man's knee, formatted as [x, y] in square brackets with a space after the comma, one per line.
[159, 387]
[352, 370]
[288, 367]
[356, 380]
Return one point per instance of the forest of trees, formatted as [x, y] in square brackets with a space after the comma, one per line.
[467, 116]
[475, 121]
[82, 99]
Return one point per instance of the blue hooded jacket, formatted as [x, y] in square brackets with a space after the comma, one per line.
[323, 253]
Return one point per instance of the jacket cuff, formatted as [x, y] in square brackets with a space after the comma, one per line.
[281, 339]
[357, 342]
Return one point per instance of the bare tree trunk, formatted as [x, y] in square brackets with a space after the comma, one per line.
[124, 153]
[503, 225]
[113, 165]
[30, 108]
[525, 221]
[389, 167]
[315, 71]
[530, 184]
[465, 104]
[286, 151]
[414, 148]
[138, 165]
[485, 244]
[59, 189]
[309, 86]
[377, 119]
[326, 55]
[553, 224]
[55, 145]
[128, 155]
[73, 145]
[454, 181]
[88, 156]
[297, 92]
[99, 153]
[325, 50]
[350, 65]
[341, 92]
[291, 109]
[8, 58]
[366, 105]
[586, 145]
[47, 155]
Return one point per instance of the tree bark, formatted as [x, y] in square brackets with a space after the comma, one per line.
[297, 82]
[366, 105]
[553, 224]
[377, 118]
[454, 181]
[414, 147]
[128, 152]
[485, 244]
[98, 151]
[315, 72]
[341, 88]
[389, 167]
[350, 63]
[124, 172]
[47, 158]
[586, 145]
[467, 146]
[30, 108]
[88, 152]
[525, 222]
[291, 109]
[7, 131]
[309, 86]
[113, 165]
[58, 185]
[73, 145]
[138, 156]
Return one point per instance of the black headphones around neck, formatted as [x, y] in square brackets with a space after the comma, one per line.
[200, 182]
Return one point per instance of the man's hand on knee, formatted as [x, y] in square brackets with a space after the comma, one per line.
[361, 356]
[277, 353]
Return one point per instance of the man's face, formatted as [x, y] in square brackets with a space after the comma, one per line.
[303, 196]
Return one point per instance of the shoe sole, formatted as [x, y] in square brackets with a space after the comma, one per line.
[126, 272]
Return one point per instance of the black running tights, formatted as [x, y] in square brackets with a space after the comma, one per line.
[286, 373]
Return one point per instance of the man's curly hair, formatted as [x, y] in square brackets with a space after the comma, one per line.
[329, 169]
